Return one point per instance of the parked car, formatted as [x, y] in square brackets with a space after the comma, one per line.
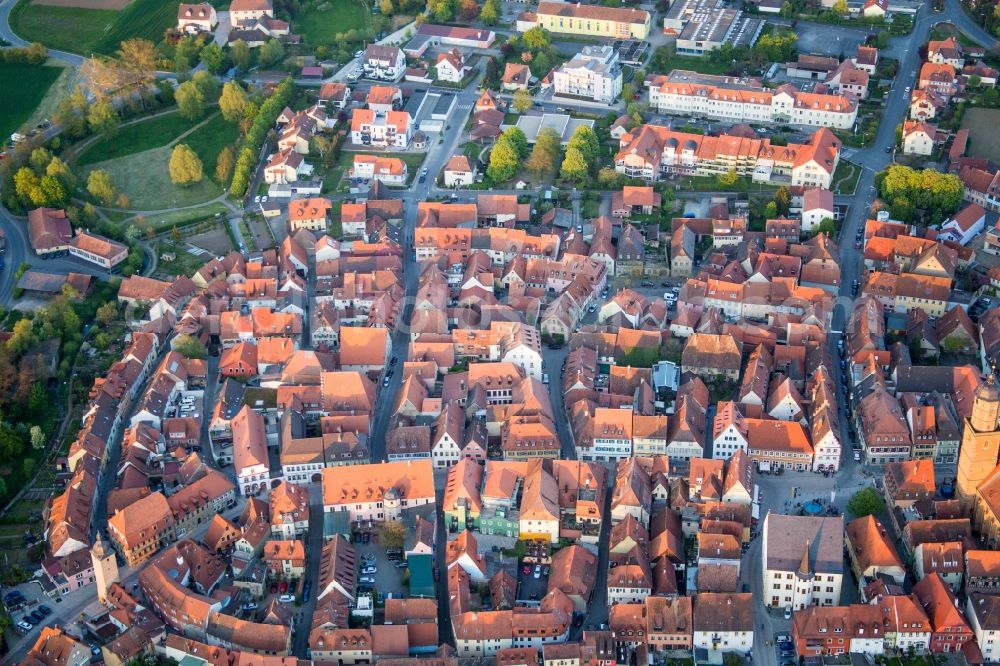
[250, 606]
[286, 598]
[370, 570]
[24, 626]
[306, 589]
[788, 612]
[283, 587]
[526, 570]
[37, 617]
[366, 580]
[44, 610]
[538, 571]
[94, 650]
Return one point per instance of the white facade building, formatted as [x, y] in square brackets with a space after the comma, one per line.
[593, 74]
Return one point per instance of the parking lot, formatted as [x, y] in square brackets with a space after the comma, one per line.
[530, 588]
[389, 578]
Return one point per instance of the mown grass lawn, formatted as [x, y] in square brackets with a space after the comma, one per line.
[144, 178]
[86, 31]
[31, 83]
[324, 19]
[209, 140]
[72, 29]
[131, 139]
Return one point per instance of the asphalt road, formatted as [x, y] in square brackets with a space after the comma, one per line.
[8, 35]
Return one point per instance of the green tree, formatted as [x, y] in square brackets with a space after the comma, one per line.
[190, 347]
[53, 192]
[392, 534]
[26, 183]
[770, 210]
[537, 38]
[627, 93]
[865, 502]
[101, 187]
[224, 164]
[522, 100]
[609, 179]
[37, 438]
[442, 10]
[59, 169]
[585, 140]
[491, 12]
[840, 8]
[108, 313]
[234, 102]
[271, 53]
[827, 226]
[207, 84]
[574, 165]
[213, 58]
[71, 113]
[517, 140]
[186, 52]
[3, 487]
[39, 159]
[185, 167]
[386, 7]
[539, 163]
[190, 100]
[504, 162]
[550, 141]
[102, 117]
[783, 200]
[239, 53]
[728, 179]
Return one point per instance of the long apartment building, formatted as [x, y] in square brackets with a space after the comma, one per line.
[747, 100]
[590, 20]
[652, 152]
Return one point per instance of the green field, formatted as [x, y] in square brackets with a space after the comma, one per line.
[321, 21]
[143, 177]
[137, 160]
[87, 31]
[31, 83]
[142, 18]
[984, 140]
[132, 139]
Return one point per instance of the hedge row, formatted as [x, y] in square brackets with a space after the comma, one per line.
[246, 161]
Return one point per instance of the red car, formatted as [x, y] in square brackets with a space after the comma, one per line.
[283, 588]
[274, 588]
[526, 570]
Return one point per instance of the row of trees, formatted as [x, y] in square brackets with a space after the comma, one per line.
[263, 121]
[33, 54]
[546, 157]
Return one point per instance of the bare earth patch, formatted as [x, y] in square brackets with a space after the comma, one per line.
[215, 241]
[84, 4]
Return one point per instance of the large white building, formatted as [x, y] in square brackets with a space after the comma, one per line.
[593, 74]
[383, 63]
[746, 100]
[803, 562]
[652, 152]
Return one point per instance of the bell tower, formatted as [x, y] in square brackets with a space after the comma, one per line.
[105, 568]
[980, 443]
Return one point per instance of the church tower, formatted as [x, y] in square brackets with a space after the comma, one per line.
[980, 443]
[105, 568]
